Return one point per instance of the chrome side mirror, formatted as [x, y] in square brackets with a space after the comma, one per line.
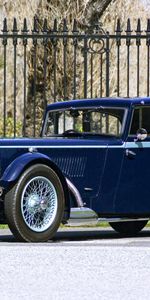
[141, 134]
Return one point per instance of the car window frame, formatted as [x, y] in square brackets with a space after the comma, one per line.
[90, 108]
[133, 109]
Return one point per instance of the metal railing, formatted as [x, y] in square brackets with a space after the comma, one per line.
[46, 65]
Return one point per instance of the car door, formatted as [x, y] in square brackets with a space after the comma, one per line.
[133, 192]
[104, 202]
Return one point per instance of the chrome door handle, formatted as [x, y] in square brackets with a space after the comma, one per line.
[130, 153]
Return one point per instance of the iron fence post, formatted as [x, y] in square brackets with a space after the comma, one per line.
[107, 64]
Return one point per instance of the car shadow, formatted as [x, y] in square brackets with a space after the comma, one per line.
[101, 234]
[73, 235]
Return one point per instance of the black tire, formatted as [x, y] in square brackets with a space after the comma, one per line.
[129, 227]
[34, 206]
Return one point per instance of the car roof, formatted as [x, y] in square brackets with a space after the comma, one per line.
[93, 102]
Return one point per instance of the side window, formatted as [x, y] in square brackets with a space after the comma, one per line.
[141, 119]
[105, 123]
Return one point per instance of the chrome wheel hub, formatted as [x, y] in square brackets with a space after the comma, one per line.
[33, 202]
[39, 203]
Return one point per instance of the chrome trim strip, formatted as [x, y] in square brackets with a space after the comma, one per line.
[124, 145]
[62, 147]
[111, 220]
[75, 192]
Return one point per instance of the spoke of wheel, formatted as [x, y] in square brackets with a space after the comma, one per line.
[37, 190]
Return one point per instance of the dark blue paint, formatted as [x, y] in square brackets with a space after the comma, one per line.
[16, 167]
[108, 187]
[118, 185]
[134, 184]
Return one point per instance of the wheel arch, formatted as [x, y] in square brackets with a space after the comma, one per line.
[22, 163]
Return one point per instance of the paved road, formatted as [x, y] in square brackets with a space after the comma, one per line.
[86, 264]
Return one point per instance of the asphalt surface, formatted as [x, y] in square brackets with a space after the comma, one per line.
[76, 264]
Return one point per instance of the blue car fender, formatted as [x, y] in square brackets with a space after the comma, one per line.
[21, 163]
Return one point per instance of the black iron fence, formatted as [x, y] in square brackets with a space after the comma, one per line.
[45, 65]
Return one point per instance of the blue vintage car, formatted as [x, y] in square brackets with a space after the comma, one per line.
[91, 163]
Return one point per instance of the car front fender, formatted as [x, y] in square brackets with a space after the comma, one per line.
[18, 165]
[21, 163]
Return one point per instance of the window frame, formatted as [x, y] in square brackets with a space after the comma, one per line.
[133, 110]
[125, 109]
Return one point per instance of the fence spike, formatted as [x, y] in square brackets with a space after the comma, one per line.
[45, 28]
[65, 28]
[15, 25]
[128, 31]
[138, 30]
[35, 25]
[5, 25]
[75, 26]
[25, 28]
[55, 25]
[118, 28]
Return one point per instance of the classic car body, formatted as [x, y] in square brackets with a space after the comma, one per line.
[92, 162]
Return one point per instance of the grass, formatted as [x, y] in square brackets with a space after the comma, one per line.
[3, 226]
[102, 224]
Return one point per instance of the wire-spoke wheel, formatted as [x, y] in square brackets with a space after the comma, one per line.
[34, 206]
[39, 203]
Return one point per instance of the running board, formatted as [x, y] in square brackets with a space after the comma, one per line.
[82, 216]
[112, 220]
[85, 216]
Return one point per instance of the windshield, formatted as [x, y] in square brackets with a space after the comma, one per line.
[94, 121]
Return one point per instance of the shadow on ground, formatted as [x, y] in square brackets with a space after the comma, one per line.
[76, 234]
[94, 234]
